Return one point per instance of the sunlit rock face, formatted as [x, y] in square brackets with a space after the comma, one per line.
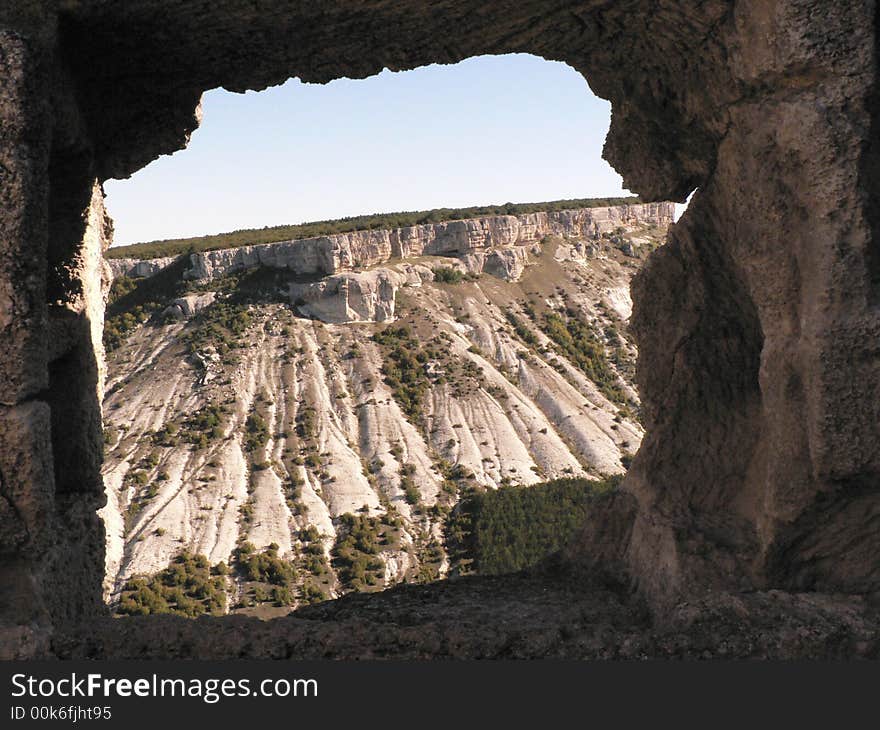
[502, 404]
[190, 305]
[756, 322]
[137, 268]
[363, 297]
[321, 255]
[346, 251]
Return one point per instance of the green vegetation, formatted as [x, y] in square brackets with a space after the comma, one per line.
[205, 425]
[456, 478]
[448, 275]
[516, 527]
[133, 302]
[306, 423]
[412, 367]
[187, 587]
[578, 342]
[292, 488]
[618, 336]
[271, 579]
[356, 552]
[313, 593]
[410, 490]
[314, 563]
[167, 436]
[430, 555]
[198, 429]
[110, 433]
[224, 322]
[256, 433]
[522, 330]
[379, 221]
[118, 326]
[137, 479]
[404, 368]
[265, 567]
[218, 325]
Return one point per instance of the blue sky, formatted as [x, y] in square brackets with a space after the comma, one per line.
[488, 130]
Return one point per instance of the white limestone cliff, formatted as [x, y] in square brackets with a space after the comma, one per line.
[328, 255]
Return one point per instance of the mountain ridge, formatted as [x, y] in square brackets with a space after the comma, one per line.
[161, 248]
[248, 423]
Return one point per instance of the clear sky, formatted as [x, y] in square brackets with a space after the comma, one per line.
[488, 130]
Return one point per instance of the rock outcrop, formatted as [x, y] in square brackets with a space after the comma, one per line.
[191, 304]
[326, 255]
[137, 268]
[505, 263]
[362, 297]
[312, 256]
[501, 246]
[756, 322]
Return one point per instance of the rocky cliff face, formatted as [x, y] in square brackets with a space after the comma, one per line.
[501, 404]
[327, 255]
[136, 268]
[354, 297]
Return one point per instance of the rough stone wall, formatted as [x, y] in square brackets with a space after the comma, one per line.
[26, 486]
[52, 282]
[757, 324]
[756, 328]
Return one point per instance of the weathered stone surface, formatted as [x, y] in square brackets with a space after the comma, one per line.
[24, 151]
[507, 263]
[755, 325]
[28, 534]
[322, 255]
[498, 414]
[26, 471]
[512, 617]
[135, 268]
[13, 532]
[191, 304]
[52, 280]
[367, 296]
[327, 255]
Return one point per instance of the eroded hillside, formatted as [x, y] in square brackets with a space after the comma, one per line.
[308, 431]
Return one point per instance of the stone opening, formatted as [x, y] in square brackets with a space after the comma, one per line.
[767, 278]
[585, 450]
[440, 136]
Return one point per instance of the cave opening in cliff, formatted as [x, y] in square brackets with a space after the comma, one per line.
[326, 395]
[270, 443]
